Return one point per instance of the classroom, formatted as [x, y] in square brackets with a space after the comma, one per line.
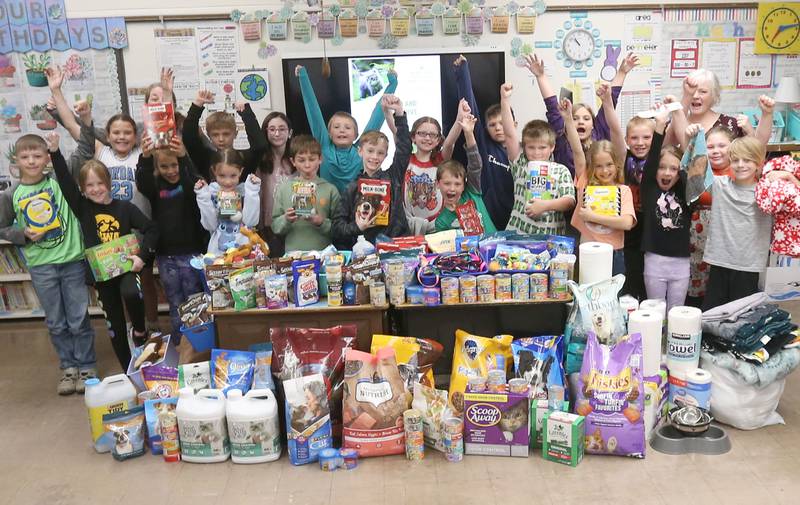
[392, 251]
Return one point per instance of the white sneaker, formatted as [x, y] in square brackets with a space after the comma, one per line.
[66, 385]
[85, 375]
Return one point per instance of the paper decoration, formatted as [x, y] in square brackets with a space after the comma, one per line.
[251, 29]
[301, 28]
[376, 24]
[451, 22]
[388, 41]
[474, 22]
[277, 27]
[266, 50]
[348, 23]
[326, 26]
[347, 3]
[526, 20]
[424, 22]
[499, 20]
[399, 23]
[470, 40]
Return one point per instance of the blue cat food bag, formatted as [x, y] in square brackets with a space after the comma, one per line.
[262, 373]
[308, 418]
[538, 360]
[232, 370]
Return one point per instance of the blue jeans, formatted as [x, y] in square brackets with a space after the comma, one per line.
[64, 296]
[180, 281]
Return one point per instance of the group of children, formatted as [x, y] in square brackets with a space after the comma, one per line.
[194, 195]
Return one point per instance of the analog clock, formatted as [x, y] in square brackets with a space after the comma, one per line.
[780, 28]
[579, 45]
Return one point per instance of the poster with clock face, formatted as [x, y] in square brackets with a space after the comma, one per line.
[778, 28]
[578, 45]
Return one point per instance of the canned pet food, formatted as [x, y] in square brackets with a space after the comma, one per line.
[449, 287]
[397, 295]
[430, 296]
[349, 458]
[559, 275]
[329, 459]
[477, 384]
[469, 288]
[496, 381]
[538, 287]
[415, 440]
[518, 386]
[454, 439]
[520, 286]
[502, 287]
[485, 285]
[377, 294]
[414, 295]
[395, 273]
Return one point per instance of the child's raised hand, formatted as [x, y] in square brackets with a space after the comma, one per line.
[743, 122]
[175, 145]
[534, 64]
[467, 123]
[52, 140]
[33, 236]
[767, 104]
[393, 103]
[203, 97]
[147, 145]
[392, 72]
[138, 264]
[84, 111]
[55, 77]
[167, 81]
[463, 107]
[290, 215]
[364, 223]
[51, 103]
[692, 130]
[297, 70]
[506, 90]
[239, 106]
[200, 184]
[603, 91]
[565, 109]
[253, 179]
[630, 62]
[458, 61]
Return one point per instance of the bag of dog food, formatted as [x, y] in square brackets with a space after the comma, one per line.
[597, 310]
[306, 284]
[374, 401]
[474, 356]
[611, 397]
[538, 361]
[153, 411]
[308, 419]
[232, 370]
[433, 405]
[415, 357]
[195, 375]
[262, 373]
[127, 429]
[243, 288]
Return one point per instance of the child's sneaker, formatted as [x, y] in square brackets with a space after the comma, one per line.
[85, 375]
[66, 386]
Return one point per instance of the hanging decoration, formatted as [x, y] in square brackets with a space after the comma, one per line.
[376, 24]
[399, 22]
[348, 23]
[499, 20]
[424, 22]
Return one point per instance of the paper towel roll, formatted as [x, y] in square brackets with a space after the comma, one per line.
[657, 304]
[648, 324]
[628, 304]
[683, 339]
[698, 387]
[596, 259]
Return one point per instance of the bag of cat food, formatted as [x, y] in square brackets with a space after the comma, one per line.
[538, 361]
[415, 357]
[262, 373]
[308, 418]
[153, 411]
[374, 401]
[474, 356]
[232, 370]
[597, 310]
[243, 288]
[299, 352]
[611, 397]
[433, 405]
[127, 429]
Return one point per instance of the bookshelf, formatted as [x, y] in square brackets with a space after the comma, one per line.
[17, 297]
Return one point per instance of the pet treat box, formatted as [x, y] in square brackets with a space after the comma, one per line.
[496, 424]
[539, 407]
[169, 358]
[110, 259]
[304, 197]
[378, 194]
[605, 200]
[563, 437]
[159, 123]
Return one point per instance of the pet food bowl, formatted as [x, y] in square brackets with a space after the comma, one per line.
[690, 431]
[690, 420]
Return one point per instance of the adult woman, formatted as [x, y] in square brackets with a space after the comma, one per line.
[274, 168]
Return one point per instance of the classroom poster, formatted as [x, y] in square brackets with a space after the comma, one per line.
[755, 70]
[217, 51]
[177, 49]
[684, 57]
[252, 86]
[719, 56]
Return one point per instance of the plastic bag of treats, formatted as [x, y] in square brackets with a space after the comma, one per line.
[127, 429]
[415, 357]
[161, 380]
[433, 405]
[194, 311]
[219, 286]
[306, 283]
[153, 413]
[243, 288]
[276, 289]
[538, 361]
[262, 373]
[611, 397]
[232, 370]
[475, 356]
[195, 375]
[597, 310]
[374, 401]
[263, 269]
[308, 423]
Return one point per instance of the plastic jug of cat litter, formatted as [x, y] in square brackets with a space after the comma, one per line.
[253, 426]
[362, 247]
[202, 427]
[113, 394]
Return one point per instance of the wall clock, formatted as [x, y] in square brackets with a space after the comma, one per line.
[578, 42]
[778, 28]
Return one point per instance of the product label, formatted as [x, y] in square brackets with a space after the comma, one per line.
[559, 433]
[683, 346]
[96, 417]
[253, 439]
[204, 438]
[375, 393]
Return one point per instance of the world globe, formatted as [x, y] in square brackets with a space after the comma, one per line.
[253, 87]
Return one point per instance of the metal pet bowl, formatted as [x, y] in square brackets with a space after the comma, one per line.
[690, 431]
[690, 420]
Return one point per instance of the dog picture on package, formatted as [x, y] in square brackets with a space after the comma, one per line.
[374, 401]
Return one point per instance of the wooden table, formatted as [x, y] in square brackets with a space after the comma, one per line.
[239, 330]
[518, 318]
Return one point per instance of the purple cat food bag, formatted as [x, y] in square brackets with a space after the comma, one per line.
[611, 397]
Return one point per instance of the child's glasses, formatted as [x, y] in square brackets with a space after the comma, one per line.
[278, 130]
[428, 135]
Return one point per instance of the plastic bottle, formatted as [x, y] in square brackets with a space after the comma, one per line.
[202, 427]
[113, 394]
[362, 248]
[253, 426]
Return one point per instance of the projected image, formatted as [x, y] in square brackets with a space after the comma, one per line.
[369, 77]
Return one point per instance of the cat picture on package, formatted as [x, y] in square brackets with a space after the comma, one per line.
[513, 419]
[309, 407]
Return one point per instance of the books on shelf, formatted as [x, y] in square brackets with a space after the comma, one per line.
[17, 296]
[11, 262]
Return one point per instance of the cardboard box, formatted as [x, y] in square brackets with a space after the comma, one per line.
[110, 259]
[563, 438]
[538, 409]
[496, 424]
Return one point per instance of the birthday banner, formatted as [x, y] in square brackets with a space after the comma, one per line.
[42, 25]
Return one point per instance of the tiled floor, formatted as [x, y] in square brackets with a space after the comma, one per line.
[47, 459]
